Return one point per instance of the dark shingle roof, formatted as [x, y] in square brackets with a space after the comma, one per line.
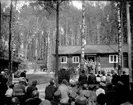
[93, 49]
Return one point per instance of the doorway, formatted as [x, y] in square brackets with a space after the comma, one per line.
[89, 58]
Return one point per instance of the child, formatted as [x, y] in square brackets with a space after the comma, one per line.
[8, 94]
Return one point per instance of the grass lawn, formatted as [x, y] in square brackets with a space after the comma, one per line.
[41, 78]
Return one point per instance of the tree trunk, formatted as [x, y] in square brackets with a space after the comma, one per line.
[83, 36]
[119, 40]
[66, 32]
[10, 45]
[0, 20]
[57, 43]
[129, 43]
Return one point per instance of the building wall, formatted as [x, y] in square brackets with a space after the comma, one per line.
[104, 61]
[103, 58]
[69, 62]
[64, 65]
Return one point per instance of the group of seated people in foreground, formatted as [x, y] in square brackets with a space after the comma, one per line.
[88, 90]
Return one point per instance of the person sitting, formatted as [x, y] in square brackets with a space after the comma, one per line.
[110, 94]
[64, 91]
[108, 78]
[98, 78]
[100, 89]
[103, 78]
[91, 78]
[50, 90]
[81, 99]
[15, 101]
[86, 92]
[30, 89]
[19, 90]
[9, 94]
[73, 91]
[101, 99]
[34, 100]
[92, 96]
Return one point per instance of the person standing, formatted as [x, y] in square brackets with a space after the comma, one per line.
[99, 67]
[82, 78]
[3, 89]
[91, 78]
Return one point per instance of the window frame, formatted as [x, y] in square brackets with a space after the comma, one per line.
[61, 59]
[113, 59]
[73, 59]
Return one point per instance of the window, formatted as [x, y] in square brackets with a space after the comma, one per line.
[75, 59]
[113, 58]
[63, 59]
[125, 60]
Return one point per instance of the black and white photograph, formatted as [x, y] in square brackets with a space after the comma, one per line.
[66, 52]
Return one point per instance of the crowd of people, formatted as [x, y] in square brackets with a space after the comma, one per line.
[100, 89]
[19, 93]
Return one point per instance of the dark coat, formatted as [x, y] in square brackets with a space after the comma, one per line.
[91, 79]
[115, 79]
[82, 79]
[110, 97]
[33, 101]
[3, 89]
[29, 91]
[49, 92]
